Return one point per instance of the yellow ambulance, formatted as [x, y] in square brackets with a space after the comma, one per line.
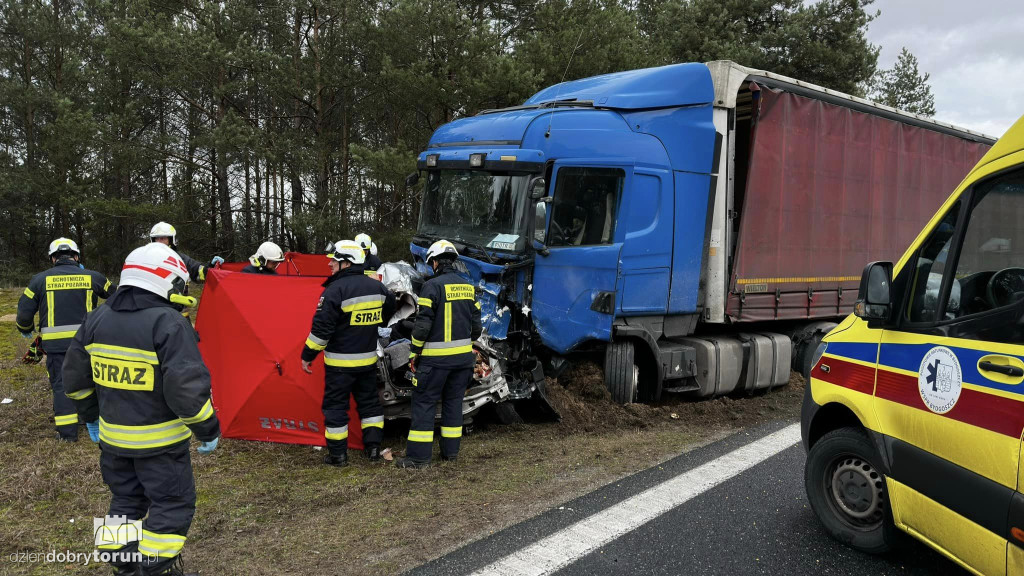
[914, 411]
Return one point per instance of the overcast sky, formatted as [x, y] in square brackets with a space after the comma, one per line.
[973, 49]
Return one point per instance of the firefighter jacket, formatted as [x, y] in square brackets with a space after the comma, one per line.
[251, 269]
[62, 295]
[447, 322]
[351, 308]
[196, 271]
[135, 364]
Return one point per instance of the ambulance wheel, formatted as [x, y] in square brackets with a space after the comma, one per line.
[846, 490]
[620, 371]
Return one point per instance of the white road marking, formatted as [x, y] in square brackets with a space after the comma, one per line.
[564, 547]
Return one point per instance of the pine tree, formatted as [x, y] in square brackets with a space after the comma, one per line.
[903, 86]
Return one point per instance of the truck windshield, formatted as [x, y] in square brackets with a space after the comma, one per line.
[486, 209]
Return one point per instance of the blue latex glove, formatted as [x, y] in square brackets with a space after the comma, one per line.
[94, 430]
[26, 334]
[208, 447]
[217, 260]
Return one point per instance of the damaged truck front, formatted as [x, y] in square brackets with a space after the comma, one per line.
[682, 221]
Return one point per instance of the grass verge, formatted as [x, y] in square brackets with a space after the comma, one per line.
[275, 509]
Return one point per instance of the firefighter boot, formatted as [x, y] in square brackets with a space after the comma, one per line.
[177, 568]
[373, 452]
[339, 460]
[407, 462]
[130, 570]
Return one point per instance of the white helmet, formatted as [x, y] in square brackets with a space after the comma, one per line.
[364, 241]
[441, 247]
[373, 248]
[158, 269]
[267, 252]
[346, 250]
[63, 245]
[164, 230]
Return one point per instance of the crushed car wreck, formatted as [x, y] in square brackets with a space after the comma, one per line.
[493, 381]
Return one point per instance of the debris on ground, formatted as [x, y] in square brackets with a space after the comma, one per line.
[586, 406]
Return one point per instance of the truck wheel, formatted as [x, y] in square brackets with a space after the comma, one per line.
[846, 489]
[620, 371]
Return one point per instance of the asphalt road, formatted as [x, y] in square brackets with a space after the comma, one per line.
[756, 522]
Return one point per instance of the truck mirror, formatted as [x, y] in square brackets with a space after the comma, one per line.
[540, 222]
[412, 179]
[538, 188]
[874, 300]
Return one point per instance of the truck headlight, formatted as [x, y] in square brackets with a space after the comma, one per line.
[476, 160]
[432, 160]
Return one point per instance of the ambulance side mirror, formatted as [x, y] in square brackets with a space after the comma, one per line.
[874, 300]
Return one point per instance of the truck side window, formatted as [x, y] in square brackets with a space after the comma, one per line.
[926, 277]
[584, 208]
[990, 269]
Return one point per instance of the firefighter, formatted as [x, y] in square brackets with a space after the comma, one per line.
[442, 358]
[266, 259]
[135, 365]
[372, 263]
[164, 233]
[350, 310]
[62, 295]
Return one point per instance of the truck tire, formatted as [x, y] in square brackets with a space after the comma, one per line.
[807, 354]
[620, 371]
[847, 491]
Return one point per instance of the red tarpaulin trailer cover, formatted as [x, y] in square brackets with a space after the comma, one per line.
[830, 189]
[252, 329]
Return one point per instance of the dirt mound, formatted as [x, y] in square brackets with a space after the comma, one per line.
[585, 405]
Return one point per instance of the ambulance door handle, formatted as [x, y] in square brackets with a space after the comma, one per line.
[1001, 368]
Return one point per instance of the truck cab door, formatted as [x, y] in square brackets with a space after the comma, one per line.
[576, 271]
[950, 380]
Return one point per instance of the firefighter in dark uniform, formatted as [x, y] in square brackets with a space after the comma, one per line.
[372, 263]
[135, 365]
[442, 358]
[164, 233]
[266, 259]
[351, 308]
[62, 295]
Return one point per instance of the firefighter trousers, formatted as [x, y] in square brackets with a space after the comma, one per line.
[65, 416]
[433, 384]
[161, 486]
[362, 386]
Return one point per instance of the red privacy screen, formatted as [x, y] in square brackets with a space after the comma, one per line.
[252, 328]
[830, 189]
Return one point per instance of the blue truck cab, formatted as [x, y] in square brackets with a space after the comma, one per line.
[584, 207]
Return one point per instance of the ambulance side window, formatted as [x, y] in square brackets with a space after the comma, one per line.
[990, 268]
[930, 264]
